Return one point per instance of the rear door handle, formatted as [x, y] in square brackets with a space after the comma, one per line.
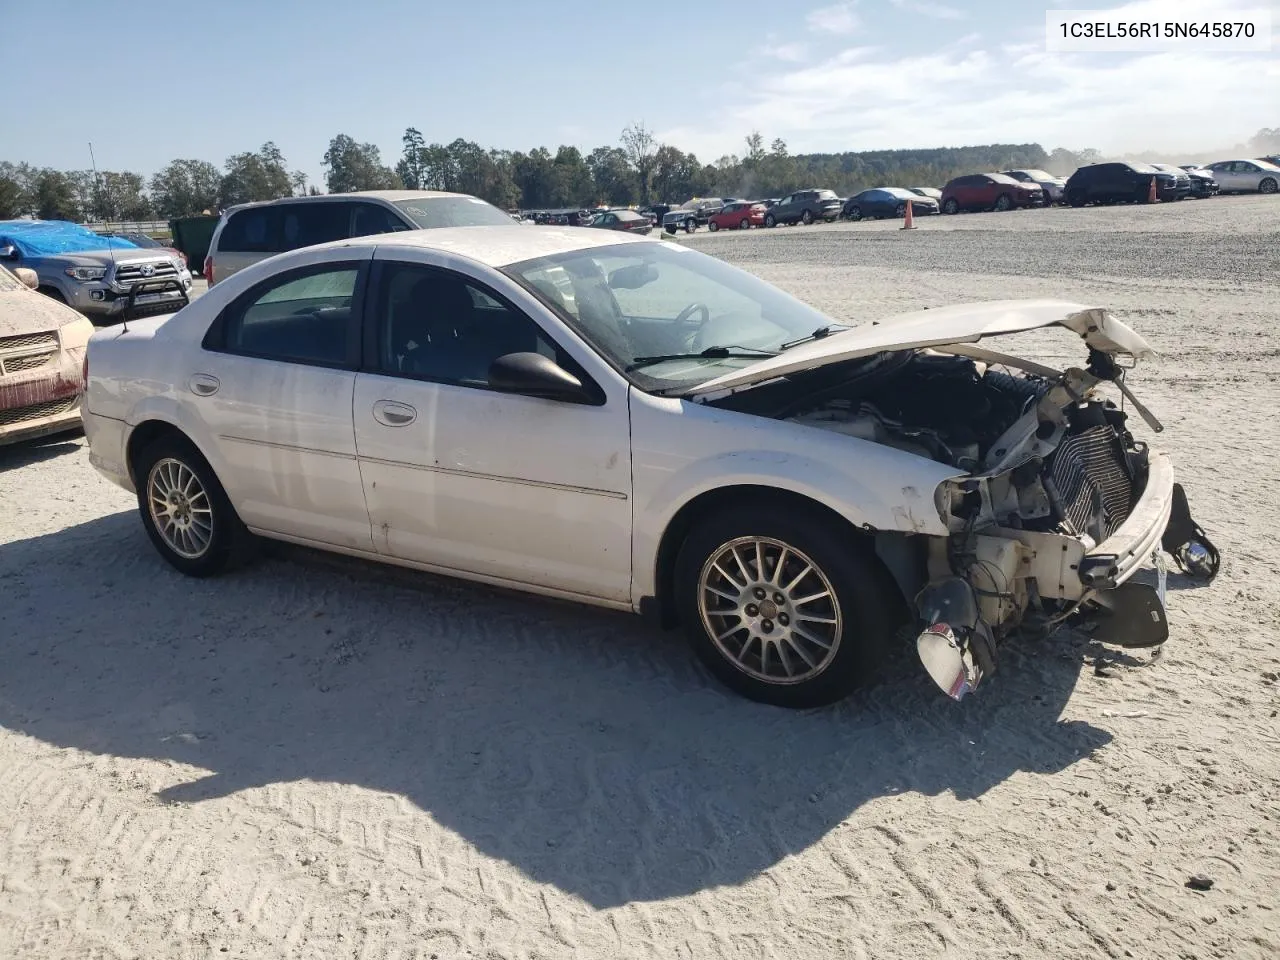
[203, 385]
[389, 413]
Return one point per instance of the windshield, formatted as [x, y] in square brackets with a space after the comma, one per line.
[429, 212]
[643, 300]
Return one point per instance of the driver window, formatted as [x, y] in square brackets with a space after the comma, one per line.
[437, 325]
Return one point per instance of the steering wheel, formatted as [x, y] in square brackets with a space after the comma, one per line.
[683, 320]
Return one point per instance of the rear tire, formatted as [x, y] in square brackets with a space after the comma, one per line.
[744, 224]
[670, 228]
[900, 211]
[185, 510]
[770, 220]
[806, 218]
[810, 653]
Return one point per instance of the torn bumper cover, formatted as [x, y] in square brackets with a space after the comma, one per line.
[1014, 571]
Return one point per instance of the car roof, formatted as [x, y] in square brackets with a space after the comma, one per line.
[495, 246]
[391, 196]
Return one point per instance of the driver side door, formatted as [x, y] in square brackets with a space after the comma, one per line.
[460, 476]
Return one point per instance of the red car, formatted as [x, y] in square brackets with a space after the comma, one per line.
[989, 191]
[738, 215]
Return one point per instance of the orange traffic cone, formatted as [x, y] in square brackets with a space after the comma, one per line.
[1151, 192]
[908, 224]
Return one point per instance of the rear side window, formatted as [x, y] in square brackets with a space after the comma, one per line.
[306, 224]
[373, 218]
[827, 195]
[250, 231]
[301, 317]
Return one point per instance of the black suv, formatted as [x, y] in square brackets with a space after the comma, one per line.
[1118, 183]
[804, 206]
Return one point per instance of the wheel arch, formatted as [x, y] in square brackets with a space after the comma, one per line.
[888, 548]
[148, 432]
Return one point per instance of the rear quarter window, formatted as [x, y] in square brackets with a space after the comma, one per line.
[254, 230]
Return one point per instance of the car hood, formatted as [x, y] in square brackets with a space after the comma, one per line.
[104, 258]
[25, 311]
[963, 323]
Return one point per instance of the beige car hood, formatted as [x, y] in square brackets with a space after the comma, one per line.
[25, 311]
[964, 323]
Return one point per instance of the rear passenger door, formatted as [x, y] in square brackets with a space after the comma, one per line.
[463, 477]
[273, 385]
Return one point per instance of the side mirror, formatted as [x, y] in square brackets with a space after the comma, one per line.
[534, 375]
[9, 252]
[27, 276]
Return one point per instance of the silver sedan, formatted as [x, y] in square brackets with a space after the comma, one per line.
[1252, 176]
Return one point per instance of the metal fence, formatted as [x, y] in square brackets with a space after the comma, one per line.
[150, 227]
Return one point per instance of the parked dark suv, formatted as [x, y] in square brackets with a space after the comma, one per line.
[804, 206]
[1119, 183]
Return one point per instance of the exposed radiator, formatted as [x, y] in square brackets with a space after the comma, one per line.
[1093, 486]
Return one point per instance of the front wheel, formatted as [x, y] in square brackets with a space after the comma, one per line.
[855, 213]
[951, 206]
[900, 211]
[1268, 185]
[1003, 202]
[186, 512]
[690, 226]
[1076, 197]
[806, 218]
[713, 226]
[783, 608]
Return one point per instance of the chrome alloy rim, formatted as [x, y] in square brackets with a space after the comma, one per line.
[180, 508]
[770, 610]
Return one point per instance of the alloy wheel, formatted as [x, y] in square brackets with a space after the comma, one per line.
[769, 610]
[180, 508]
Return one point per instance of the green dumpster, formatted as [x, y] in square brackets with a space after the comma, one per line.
[192, 235]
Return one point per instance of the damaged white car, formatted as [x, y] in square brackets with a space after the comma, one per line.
[633, 424]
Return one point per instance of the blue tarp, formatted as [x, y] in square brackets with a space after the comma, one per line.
[48, 238]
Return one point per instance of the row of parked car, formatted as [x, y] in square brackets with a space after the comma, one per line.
[1115, 182]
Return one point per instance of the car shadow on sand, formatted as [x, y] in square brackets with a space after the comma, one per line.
[583, 747]
[26, 452]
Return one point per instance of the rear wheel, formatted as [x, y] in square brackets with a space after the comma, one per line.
[770, 220]
[806, 218]
[1004, 202]
[1268, 185]
[950, 206]
[185, 511]
[900, 211]
[782, 608]
[744, 224]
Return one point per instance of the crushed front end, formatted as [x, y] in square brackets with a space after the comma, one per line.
[1068, 508]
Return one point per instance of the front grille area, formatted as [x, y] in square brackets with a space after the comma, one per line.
[1093, 485]
[36, 410]
[30, 341]
[31, 361]
[129, 273]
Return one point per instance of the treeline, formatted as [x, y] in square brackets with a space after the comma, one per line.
[638, 170]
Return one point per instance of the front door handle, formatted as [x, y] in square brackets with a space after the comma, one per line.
[389, 413]
[203, 385]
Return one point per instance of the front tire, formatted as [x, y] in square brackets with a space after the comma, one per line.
[1076, 197]
[806, 218]
[690, 226]
[713, 226]
[855, 213]
[185, 510]
[951, 206]
[1268, 185]
[1003, 202]
[782, 607]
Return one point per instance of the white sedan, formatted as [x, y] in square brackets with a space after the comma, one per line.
[1251, 176]
[631, 423]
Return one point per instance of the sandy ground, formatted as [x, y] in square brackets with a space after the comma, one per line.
[321, 758]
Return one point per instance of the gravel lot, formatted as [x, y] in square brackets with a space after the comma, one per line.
[322, 758]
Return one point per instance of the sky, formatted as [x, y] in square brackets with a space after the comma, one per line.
[147, 83]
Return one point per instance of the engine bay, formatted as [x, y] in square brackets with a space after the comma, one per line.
[944, 408]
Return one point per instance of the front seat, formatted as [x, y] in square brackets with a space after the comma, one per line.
[425, 325]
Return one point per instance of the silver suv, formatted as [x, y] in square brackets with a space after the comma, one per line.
[254, 231]
[92, 274]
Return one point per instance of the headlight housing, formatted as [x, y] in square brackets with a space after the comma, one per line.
[85, 274]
